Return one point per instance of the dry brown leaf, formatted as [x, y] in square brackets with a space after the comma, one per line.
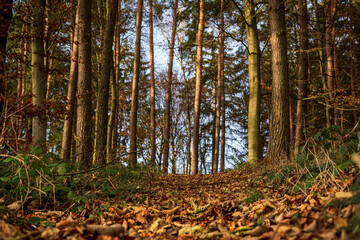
[141, 219]
[343, 194]
[50, 233]
[7, 230]
[14, 206]
[356, 159]
[311, 227]
[340, 222]
[116, 230]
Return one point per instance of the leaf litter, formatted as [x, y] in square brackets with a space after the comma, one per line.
[240, 204]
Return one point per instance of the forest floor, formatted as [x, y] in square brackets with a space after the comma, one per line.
[249, 203]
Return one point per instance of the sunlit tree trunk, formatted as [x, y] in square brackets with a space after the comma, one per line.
[197, 103]
[152, 88]
[279, 147]
[5, 19]
[104, 83]
[254, 82]
[112, 123]
[301, 109]
[169, 92]
[220, 79]
[38, 75]
[72, 88]
[83, 123]
[135, 88]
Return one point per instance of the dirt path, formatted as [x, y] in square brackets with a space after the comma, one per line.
[242, 204]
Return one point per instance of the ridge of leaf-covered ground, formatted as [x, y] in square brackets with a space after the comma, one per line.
[252, 202]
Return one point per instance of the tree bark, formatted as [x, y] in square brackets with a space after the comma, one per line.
[169, 92]
[83, 124]
[72, 88]
[104, 83]
[197, 103]
[279, 147]
[135, 88]
[6, 15]
[330, 8]
[38, 75]
[152, 88]
[220, 79]
[254, 83]
[301, 109]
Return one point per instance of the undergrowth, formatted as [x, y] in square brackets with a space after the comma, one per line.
[44, 177]
[324, 157]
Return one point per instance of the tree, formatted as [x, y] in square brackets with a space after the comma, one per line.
[302, 75]
[254, 82]
[5, 17]
[38, 76]
[197, 102]
[135, 88]
[72, 88]
[279, 138]
[83, 124]
[330, 9]
[104, 83]
[220, 79]
[168, 91]
[152, 87]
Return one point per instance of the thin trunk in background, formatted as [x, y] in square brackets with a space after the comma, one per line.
[135, 87]
[220, 79]
[303, 69]
[110, 138]
[72, 88]
[104, 83]
[83, 123]
[152, 88]
[302, 81]
[197, 102]
[6, 15]
[38, 75]
[254, 145]
[168, 93]
[279, 147]
[330, 8]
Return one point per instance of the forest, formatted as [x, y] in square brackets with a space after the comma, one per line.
[179, 119]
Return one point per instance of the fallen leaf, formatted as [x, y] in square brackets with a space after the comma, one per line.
[191, 230]
[343, 194]
[50, 232]
[116, 230]
[311, 227]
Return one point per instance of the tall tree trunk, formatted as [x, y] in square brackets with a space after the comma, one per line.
[322, 63]
[301, 109]
[188, 144]
[279, 147]
[354, 63]
[220, 79]
[72, 88]
[152, 88]
[6, 15]
[168, 94]
[223, 129]
[112, 123]
[197, 103]
[83, 123]
[135, 88]
[254, 82]
[330, 8]
[38, 75]
[104, 83]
